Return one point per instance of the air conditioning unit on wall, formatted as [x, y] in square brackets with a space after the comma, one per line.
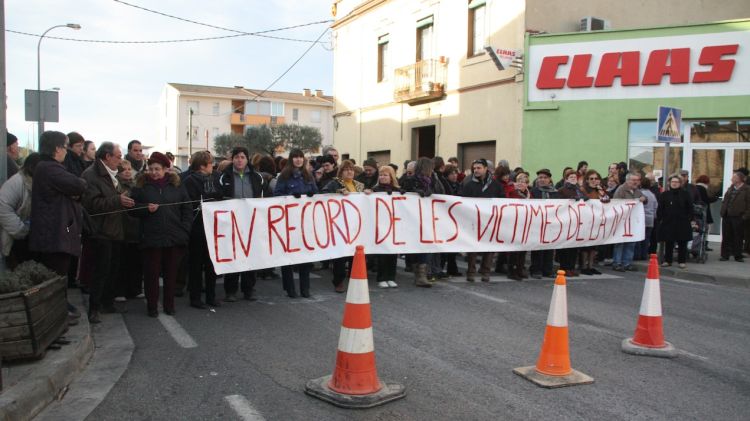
[590, 23]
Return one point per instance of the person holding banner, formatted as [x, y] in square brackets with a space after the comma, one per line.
[295, 179]
[201, 186]
[622, 255]
[421, 183]
[541, 260]
[517, 259]
[162, 204]
[480, 184]
[570, 190]
[241, 181]
[592, 187]
[344, 183]
[386, 263]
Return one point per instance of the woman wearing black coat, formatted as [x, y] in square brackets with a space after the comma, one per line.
[166, 216]
[201, 184]
[674, 215]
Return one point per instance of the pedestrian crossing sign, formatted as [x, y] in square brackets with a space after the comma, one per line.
[669, 125]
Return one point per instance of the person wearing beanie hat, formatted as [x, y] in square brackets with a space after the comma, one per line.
[369, 176]
[12, 166]
[166, 219]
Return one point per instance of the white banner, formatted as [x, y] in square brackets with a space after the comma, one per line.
[250, 234]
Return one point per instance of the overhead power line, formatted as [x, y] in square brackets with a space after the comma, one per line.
[167, 41]
[215, 26]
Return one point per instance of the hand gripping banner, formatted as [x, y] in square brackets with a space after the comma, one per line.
[250, 234]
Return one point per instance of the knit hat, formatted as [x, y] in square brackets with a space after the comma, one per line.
[159, 158]
[370, 163]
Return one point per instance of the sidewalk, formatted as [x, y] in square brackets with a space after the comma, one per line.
[28, 387]
[713, 271]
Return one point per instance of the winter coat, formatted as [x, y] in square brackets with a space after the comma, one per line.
[131, 225]
[11, 168]
[650, 207]
[55, 209]
[73, 163]
[674, 214]
[337, 186]
[548, 192]
[452, 189]
[226, 183]
[624, 192]
[703, 192]
[517, 194]
[438, 183]
[414, 184]
[326, 178]
[473, 187]
[102, 196]
[170, 225]
[294, 185]
[739, 205]
[572, 191]
[601, 195]
[138, 166]
[15, 210]
[199, 187]
[369, 182]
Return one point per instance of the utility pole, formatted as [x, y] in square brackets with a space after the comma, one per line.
[190, 132]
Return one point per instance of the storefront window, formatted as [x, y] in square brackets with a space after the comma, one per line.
[713, 131]
[642, 132]
[646, 159]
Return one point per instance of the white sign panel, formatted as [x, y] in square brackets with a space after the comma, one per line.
[660, 67]
[249, 234]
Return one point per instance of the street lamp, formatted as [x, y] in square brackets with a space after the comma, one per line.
[40, 122]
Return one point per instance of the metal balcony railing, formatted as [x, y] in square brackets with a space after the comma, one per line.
[420, 82]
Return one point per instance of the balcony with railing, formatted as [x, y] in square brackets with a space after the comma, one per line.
[255, 120]
[422, 81]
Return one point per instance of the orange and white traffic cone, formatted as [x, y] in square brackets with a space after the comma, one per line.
[355, 382]
[649, 333]
[553, 366]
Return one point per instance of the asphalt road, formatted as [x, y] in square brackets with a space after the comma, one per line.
[452, 346]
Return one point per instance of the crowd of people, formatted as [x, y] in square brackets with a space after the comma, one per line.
[116, 223]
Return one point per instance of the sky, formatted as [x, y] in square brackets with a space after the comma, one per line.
[109, 92]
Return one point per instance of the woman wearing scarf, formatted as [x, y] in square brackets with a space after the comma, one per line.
[386, 265]
[570, 190]
[517, 259]
[166, 216]
[344, 183]
[296, 180]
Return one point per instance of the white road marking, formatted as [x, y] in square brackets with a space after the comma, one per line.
[179, 334]
[691, 355]
[244, 408]
[476, 294]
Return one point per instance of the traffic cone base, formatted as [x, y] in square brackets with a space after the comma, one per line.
[354, 382]
[648, 338]
[553, 366]
[531, 374]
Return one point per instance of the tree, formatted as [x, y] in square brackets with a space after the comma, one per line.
[292, 136]
[224, 143]
[261, 139]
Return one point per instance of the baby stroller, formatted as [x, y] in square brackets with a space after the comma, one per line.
[700, 233]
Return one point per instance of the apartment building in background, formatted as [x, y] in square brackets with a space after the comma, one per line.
[429, 77]
[220, 110]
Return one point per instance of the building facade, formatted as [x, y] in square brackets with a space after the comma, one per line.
[222, 110]
[595, 96]
[428, 77]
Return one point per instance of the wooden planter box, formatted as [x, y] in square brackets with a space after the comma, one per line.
[31, 320]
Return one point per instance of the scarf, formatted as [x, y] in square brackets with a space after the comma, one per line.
[160, 183]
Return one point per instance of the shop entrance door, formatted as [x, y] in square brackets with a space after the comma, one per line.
[718, 164]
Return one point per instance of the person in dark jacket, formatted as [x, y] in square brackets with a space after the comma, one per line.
[56, 218]
[735, 210]
[369, 176]
[241, 181]
[330, 170]
[162, 204]
[104, 195]
[73, 159]
[517, 259]
[296, 180]
[502, 176]
[421, 183]
[674, 215]
[452, 187]
[343, 184]
[12, 152]
[386, 263]
[542, 260]
[570, 190]
[480, 184]
[201, 186]
[89, 153]
[135, 156]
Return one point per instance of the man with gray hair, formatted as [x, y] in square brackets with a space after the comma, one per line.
[622, 259]
[330, 150]
[105, 195]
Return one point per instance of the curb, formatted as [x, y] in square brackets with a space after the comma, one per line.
[717, 279]
[48, 380]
